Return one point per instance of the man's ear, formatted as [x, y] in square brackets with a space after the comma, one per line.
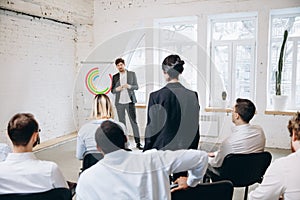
[294, 138]
[34, 136]
[236, 115]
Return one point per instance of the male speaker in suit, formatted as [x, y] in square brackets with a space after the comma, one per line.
[123, 85]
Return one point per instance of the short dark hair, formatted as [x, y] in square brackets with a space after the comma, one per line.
[21, 128]
[120, 60]
[245, 108]
[294, 124]
[110, 137]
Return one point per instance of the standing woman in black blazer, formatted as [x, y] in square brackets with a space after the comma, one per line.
[173, 112]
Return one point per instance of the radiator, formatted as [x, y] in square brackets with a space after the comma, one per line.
[209, 125]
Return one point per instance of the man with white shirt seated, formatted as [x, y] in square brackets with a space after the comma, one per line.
[124, 174]
[22, 172]
[282, 178]
[245, 138]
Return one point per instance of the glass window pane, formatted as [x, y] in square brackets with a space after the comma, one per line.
[234, 61]
[136, 62]
[287, 70]
[220, 75]
[186, 29]
[297, 95]
[275, 50]
[234, 30]
[243, 71]
[282, 23]
[179, 37]
[290, 74]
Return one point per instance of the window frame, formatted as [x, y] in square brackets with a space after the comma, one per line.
[232, 45]
[295, 40]
[160, 24]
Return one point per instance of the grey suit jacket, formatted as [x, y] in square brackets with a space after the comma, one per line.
[131, 80]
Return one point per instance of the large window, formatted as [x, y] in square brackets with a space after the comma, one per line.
[281, 20]
[136, 62]
[232, 68]
[179, 36]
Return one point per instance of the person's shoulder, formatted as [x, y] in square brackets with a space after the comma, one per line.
[257, 127]
[162, 90]
[130, 72]
[46, 165]
[89, 173]
[160, 93]
[157, 92]
[93, 123]
[87, 127]
[283, 162]
[116, 75]
[191, 92]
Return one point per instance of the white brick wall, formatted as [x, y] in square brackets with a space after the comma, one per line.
[38, 60]
[71, 11]
[37, 72]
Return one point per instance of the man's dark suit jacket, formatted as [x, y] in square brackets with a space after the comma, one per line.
[173, 119]
[131, 80]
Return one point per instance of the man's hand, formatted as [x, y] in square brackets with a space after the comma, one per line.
[118, 89]
[182, 185]
[126, 86]
[211, 154]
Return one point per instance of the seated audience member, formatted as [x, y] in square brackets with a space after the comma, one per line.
[133, 175]
[102, 111]
[4, 150]
[245, 138]
[282, 178]
[22, 172]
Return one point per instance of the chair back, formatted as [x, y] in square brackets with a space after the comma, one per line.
[206, 191]
[90, 158]
[245, 169]
[56, 193]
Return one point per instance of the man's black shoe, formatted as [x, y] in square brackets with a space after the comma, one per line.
[139, 146]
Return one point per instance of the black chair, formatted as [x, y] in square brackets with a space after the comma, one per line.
[56, 193]
[221, 190]
[242, 170]
[90, 158]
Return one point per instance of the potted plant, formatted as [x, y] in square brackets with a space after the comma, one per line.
[279, 100]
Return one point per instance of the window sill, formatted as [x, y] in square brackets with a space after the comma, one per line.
[218, 109]
[275, 112]
[140, 105]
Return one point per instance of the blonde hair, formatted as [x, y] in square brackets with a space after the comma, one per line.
[102, 107]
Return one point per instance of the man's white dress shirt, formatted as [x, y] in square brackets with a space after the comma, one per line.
[124, 96]
[24, 173]
[4, 150]
[129, 175]
[86, 136]
[243, 139]
[281, 178]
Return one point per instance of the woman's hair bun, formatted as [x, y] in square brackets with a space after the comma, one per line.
[173, 65]
[179, 66]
